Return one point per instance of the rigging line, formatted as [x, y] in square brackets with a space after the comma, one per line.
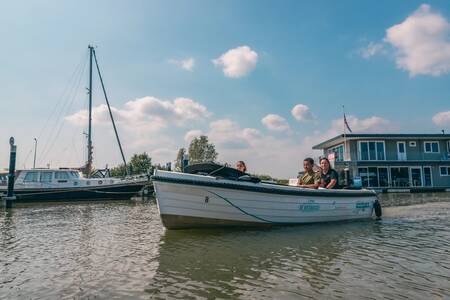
[59, 122]
[26, 157]
[69, 106]
[67, 110]
[110, 114]
[58, 102]
[67, 94]
[72, 78]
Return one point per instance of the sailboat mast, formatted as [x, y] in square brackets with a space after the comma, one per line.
[89, 146]
[111, 115]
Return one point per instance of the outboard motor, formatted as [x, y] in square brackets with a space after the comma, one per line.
[377, 209]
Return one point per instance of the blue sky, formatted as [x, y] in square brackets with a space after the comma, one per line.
[372, 57]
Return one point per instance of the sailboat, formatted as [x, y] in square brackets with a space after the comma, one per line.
[67, 184]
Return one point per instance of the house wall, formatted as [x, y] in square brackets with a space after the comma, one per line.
[415, 157]
[412, 153]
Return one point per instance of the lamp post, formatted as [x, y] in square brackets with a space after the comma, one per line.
[35, 149]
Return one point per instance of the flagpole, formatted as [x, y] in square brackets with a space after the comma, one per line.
[345, 133]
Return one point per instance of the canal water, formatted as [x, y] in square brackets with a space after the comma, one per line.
[119, 250]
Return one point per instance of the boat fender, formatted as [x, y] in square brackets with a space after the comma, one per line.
[377, 209]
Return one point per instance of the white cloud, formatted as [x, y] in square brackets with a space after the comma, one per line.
[237, 62]
[302, 113]
[228, 135]
[191, 134]
[263, 154]
[146, 113]
[275, 122]
[422, 43]
[145, 124]
[442, 118]
[372, 49]
[372, 124]
[186, 64]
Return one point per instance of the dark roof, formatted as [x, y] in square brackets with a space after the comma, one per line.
[355, 136]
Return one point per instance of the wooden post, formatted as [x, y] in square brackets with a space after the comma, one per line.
[12, 170]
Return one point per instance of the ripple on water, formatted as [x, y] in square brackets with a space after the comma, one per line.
[120, 250]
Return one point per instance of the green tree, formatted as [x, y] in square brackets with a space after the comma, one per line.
[140, 163]
[118, 171]
[200, 150]
[179, 160]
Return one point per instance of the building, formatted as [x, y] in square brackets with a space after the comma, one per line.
[393, 161]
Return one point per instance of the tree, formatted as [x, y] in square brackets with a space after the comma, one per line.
[118, 171]
[140, 163]
[200, 150]
[179, 160]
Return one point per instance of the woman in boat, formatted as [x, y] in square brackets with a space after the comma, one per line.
[328, 177]
[240, 165]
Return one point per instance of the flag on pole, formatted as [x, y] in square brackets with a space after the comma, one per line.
[346, 124]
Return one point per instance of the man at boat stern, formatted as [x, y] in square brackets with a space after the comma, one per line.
[310, 179]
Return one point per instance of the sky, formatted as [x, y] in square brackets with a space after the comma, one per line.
[264, 80]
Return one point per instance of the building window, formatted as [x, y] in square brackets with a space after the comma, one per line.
[369, 150]
[412, 144]
[400, 176]
[416, 176]
[374, 176]
[431, 147]
[445, 171]
[427, 177]
[383, 178]
[338, 152]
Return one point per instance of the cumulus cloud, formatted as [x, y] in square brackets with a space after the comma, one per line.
[228, 135]
[275, 122]
[237, 62]
[146, 113]
[442, 118]
[186, 64]
[191, 134]
[263, 153]
[372, 124]
[422, 43]
[302, 113]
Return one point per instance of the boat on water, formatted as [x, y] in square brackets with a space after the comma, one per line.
[210, 195]
[70, 184]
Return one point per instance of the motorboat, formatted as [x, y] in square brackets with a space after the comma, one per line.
[70, 185]
[211, 195]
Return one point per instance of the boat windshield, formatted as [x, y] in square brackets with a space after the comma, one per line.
[75, 174]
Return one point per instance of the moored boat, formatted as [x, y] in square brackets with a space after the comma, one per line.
[224, 197]
[70, 185]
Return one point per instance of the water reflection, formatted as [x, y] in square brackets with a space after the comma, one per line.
[223, 263]
[120, 250]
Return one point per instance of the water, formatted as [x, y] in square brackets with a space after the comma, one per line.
[119, 250]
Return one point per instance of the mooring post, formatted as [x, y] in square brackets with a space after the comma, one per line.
[12, 170]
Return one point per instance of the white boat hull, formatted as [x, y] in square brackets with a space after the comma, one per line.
[186, 201]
